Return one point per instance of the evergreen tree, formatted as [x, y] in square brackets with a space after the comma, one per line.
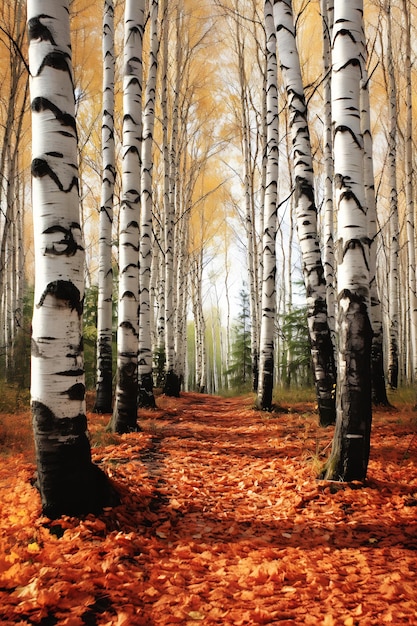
[240, 371]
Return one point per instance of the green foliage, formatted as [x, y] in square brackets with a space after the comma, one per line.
[90, 335]
[16, 367]
[240, 370]
[296, 363]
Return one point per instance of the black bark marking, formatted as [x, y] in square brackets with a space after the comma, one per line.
[76, 392]
[37, 30]
[77, 372]
[58, 60]
[66, 291]
[304, 188]
[43, 104]
[358, 243]
[68, 240]
[40, 168]
[344, 32]
[46, 421]
[342, 128]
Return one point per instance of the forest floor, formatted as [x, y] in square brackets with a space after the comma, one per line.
[221, 521]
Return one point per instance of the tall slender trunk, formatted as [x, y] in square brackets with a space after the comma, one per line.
[104, 386]
[409, 194]
[379, 392]
[327, 210]
[266, 344]
[172, 377]
[306, 215]
[393, 358]
[250, 225]
[146, 396]
[126, 406]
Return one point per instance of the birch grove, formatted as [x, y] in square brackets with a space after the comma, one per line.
[194, 187]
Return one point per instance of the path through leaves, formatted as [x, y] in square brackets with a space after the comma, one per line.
[221, 522]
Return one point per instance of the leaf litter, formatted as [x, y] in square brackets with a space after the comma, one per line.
[221, 521]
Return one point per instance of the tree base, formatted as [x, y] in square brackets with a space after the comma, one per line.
[146, 399]
[327, 413]
[172, 385]
[90, 494]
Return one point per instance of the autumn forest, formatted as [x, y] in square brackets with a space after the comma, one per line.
[208, 297]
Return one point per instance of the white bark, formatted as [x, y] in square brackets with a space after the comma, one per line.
[268, 313]
[146, 397]
[58, 367]
[125, 411]
[409, 195]
[105, 272]
[393, 358]
[351, 443]
[306, 213]
[327, 210]
[379, 395]
[69, 483]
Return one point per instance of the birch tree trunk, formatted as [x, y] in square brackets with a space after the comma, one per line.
[351, 443]
[306, 215]
[409, 194]
[328, 213]
[393, 359]
[250, 226]
[104, 393]
[125, 411]
[146, 397]
[68, 481]
[268, 313]
[172, 378]
[14, 108]
[379, 392]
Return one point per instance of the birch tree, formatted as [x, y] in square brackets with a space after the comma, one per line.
[146, 397]
[105, 273]
[409, 192]
[351, 443]
[268, 309]
[13, 149]
[393, 358]
[327, 210]
[68, 481]
[306, 214]
[172, 380]
[125, 411]
[379, 392]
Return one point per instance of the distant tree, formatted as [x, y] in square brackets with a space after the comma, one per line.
[297, 365]
[240, 370]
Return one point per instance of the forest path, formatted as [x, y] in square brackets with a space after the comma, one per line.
[221, 521]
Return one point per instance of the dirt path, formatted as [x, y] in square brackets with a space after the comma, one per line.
[222, 522]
